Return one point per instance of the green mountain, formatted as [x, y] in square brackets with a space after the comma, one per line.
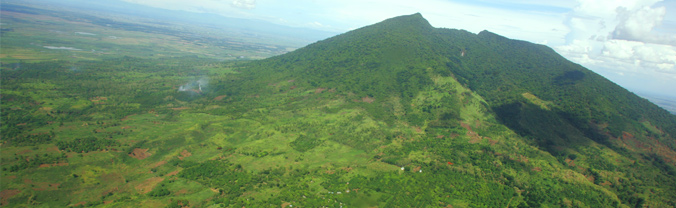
[398, 113]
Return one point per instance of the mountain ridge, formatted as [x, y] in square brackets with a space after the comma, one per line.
[526, 68]
[559, 106]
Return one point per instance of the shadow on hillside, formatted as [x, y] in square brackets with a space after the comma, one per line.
[569, 78]
[549, 130]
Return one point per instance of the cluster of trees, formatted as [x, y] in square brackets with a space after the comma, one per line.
[159, 191]
[31, 139]
[86, 144]
[304, 143]
[178, 203]
[23, 162]
[228, 178]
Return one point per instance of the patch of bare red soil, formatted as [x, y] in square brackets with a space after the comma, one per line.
[9, 177]
[650, 145]
[184, 154]
[140, 154]
[6, 194]
[181, 192]
[368, 99]
[149, 184]
[518, 158]
[97, 99]
[220, 97]
[493, 142]
[570, 162]
[158, 164]
[466, 126]
[127, 117]
[473, 136]
[173, 173]
[53, 165]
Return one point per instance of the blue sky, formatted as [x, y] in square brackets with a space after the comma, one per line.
[631, 42]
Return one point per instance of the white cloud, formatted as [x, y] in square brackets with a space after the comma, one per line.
[650, 58]
[244, 4]
[233, 8]
[638, 25]
[577, 47]
[316, 24]
[618, 37]
[620, 50]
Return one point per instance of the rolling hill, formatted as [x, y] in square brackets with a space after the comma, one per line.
[398, 113]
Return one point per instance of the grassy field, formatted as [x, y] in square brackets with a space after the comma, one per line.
[30, 34]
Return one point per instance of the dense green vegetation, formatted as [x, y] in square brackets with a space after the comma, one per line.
[22, 162]
[86, 144]
[394, 114]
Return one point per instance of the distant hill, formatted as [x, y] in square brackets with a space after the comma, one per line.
[257, 29]
[510, 75]
[398, 113]
[95, 30]
[666, 102]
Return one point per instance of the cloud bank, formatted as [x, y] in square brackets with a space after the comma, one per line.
[620, 38]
